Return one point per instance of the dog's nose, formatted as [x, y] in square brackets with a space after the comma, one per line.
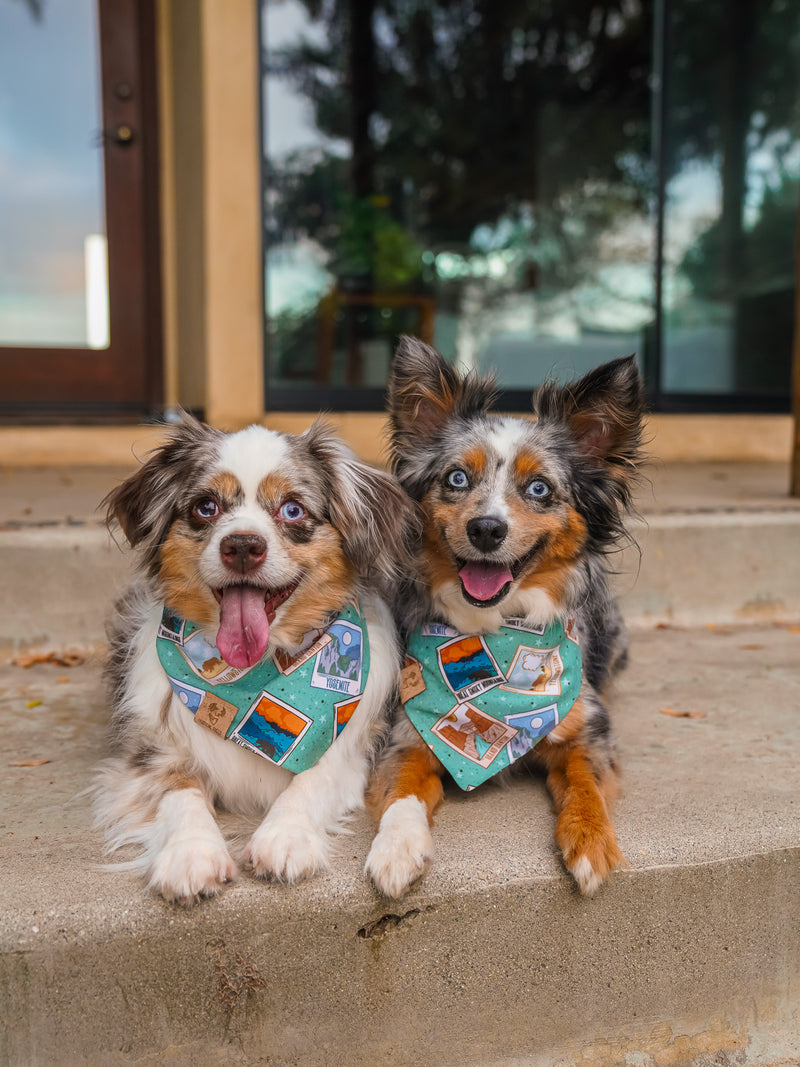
[243, 552]
[487, 533]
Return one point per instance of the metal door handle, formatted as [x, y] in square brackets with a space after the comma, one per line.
[122, 134]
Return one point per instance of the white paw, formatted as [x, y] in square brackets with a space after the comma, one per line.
[402, 848]
[191, 866]
[589, 881]
[287, 850]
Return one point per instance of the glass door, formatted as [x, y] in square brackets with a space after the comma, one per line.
[78, 231]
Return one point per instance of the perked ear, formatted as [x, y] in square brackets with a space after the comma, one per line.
[375, 518]
[144, 503]
[425, 391]
[602, 410]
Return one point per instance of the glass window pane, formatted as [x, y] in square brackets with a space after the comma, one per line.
[476, 172]
[53, 262]
[733, 187]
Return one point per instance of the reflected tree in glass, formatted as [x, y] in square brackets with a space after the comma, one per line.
[494, 147]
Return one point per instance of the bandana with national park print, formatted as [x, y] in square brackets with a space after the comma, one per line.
[288, 709]
[481, 701]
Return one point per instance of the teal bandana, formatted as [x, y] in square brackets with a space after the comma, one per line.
[288, 709]
[481, 701]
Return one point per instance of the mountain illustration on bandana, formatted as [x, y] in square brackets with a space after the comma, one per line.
[287, 708]
[482, 701]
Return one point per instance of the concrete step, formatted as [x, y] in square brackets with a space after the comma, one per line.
[690, 956]
[717, 543]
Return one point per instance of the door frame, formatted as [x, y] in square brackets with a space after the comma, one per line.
[125, 380]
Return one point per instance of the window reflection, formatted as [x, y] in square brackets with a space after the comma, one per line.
[474, 172]
[733, 136]
[481, 172]
[53, 263]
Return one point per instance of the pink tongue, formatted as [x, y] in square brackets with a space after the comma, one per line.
[243, 628]
[484, 580]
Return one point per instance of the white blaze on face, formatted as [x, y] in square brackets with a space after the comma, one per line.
[249, 456]
[484, 580]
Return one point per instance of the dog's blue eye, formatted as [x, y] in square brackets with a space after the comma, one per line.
[206, 509]
[291, 511]
[538, 489]
[457, 480]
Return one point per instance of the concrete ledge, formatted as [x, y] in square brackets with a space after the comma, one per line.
[59, 583]
[666, 968]
[696, 568]
[691, 956]
[671, 439]
[711, 567]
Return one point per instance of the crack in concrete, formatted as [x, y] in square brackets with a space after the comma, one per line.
[380, 928]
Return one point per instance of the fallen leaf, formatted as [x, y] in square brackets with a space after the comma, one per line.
[59, 659]
[683, 714]
[33, 704]
[751, 648]
[31, 763]
[62, 680]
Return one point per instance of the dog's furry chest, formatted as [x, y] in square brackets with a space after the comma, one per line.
[149, 716]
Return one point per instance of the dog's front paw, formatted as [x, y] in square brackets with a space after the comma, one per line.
[287, 850]
[402, 849]
[190, 867]
[591, 856]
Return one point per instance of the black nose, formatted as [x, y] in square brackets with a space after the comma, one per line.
[487, 533]
[243, 552]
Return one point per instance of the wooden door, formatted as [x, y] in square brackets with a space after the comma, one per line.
[48, 369]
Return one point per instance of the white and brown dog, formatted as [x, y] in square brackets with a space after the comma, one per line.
[251, 544]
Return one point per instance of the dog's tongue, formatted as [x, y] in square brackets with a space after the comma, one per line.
[484, 580]
[243, 628]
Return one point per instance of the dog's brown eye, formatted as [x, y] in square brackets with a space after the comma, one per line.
[206, 510]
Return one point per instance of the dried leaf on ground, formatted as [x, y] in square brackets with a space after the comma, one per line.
[58, 659]
[30, 763]
[683, 714]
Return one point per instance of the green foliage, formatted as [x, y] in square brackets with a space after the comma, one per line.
[374, 246]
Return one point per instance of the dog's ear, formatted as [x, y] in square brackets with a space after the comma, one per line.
[602, 410]
[425, 391]
[374, 517]
[144, 505]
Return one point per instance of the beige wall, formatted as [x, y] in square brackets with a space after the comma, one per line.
[182, 202]
[211, 220]
[669, 439]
